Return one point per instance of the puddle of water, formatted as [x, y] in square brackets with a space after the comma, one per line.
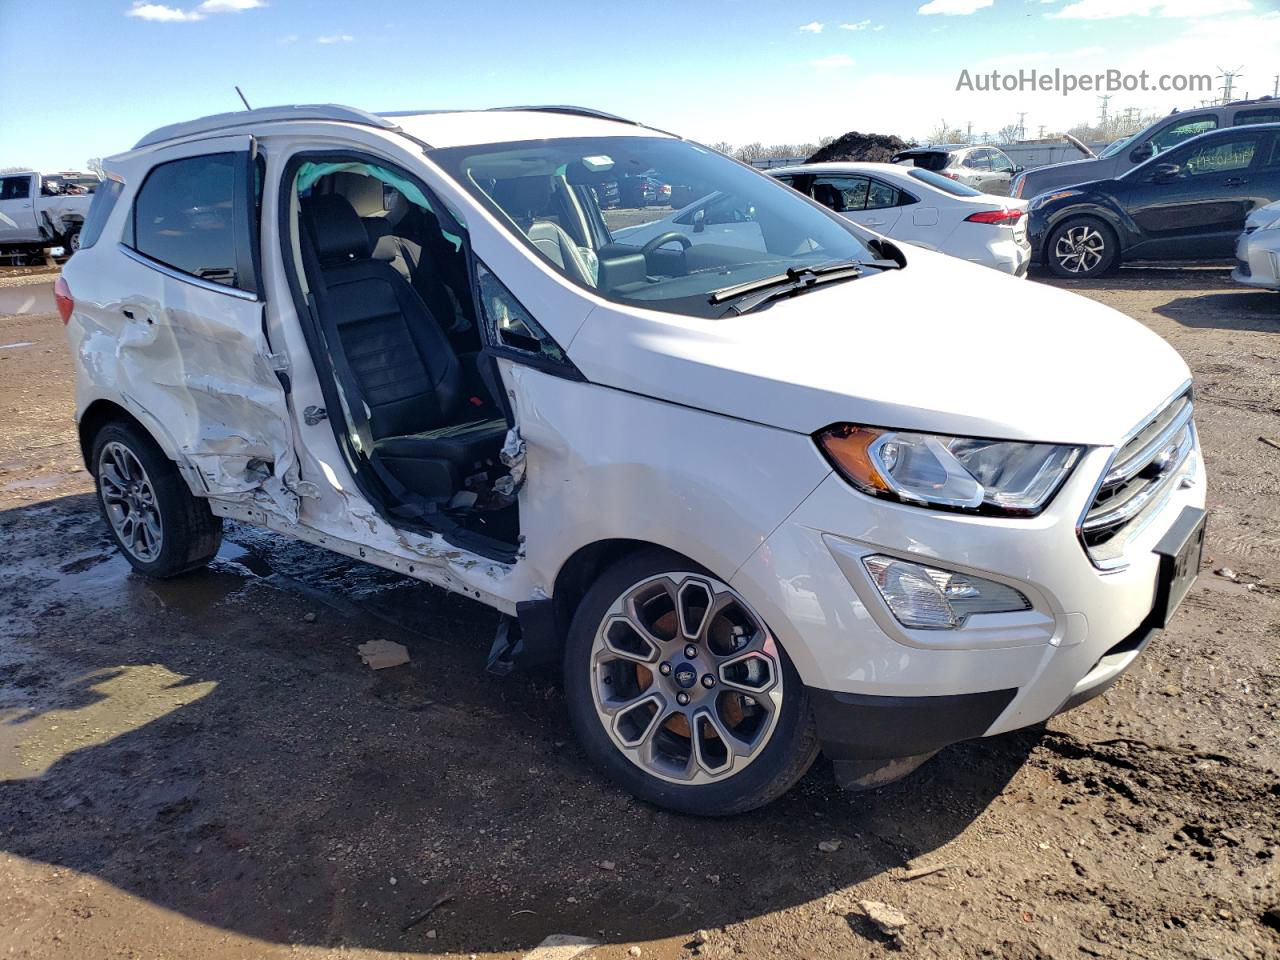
[29, 298]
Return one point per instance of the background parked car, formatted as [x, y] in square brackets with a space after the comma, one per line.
[1189, 203]
[1258, 249]
[643, 190]
[983, 168]
[36, 212]
[922, 207]
[1161, 136]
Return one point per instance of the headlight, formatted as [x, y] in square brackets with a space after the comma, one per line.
[929, 598]
[1044, 198]
[987, 476]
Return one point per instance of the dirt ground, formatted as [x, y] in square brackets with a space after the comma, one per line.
[204, 768]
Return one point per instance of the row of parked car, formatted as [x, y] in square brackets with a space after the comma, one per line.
[1192, 187]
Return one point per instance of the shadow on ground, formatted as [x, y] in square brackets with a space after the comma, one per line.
[203, 745]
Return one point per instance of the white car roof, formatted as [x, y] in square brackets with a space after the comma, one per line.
[435, 128]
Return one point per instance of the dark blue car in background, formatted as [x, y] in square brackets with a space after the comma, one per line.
[1188, 203]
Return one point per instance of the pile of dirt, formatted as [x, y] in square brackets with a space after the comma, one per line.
[868, 147]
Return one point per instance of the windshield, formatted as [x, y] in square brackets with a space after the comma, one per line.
[939, 182]
[653, 221]
[1115, 147]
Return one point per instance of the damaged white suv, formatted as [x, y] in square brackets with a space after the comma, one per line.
[764, 486]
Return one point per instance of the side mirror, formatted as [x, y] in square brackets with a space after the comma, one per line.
[700, 221]
[1142, 152]
[1017, 168]
[1164, 172]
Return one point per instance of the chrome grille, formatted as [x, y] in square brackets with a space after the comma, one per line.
[1142, 474]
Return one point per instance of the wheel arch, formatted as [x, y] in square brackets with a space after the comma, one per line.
[582, 568]
[101, 412]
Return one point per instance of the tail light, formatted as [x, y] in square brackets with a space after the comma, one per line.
[62, 297]
[1005, 218]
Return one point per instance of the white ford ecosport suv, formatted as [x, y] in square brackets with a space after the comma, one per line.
[762, 488]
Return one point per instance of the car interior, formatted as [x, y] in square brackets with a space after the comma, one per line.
[392, 302]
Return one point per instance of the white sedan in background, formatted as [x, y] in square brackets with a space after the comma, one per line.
[1258, 249]
[921, 207]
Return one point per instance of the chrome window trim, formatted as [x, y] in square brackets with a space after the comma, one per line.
[192, 279]
[1119, 563]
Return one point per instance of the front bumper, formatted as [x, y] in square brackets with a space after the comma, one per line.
[882, 690]
[1258, 260]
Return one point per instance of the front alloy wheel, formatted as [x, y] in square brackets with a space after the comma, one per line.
[682, 692]
[686, 679]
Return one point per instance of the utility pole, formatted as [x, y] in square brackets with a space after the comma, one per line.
[968, 131]
[1022, 126]
[1102, 113]
[1228, 81]
[1275, 90]
[1040, 132]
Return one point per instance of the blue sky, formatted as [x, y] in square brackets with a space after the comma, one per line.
[95, 75]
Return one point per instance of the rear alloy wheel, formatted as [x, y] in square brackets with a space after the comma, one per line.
[159, 526]
[680, 691]
[1081, 248]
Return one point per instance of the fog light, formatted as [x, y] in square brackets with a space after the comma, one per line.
[927, 598]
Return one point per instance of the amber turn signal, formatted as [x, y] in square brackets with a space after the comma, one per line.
[848, 448]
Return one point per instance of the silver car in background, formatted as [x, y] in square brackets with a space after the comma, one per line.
[986, 169]
[1258, 249]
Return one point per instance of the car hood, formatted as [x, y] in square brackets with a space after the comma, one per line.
[1059, 174]
[943, 346]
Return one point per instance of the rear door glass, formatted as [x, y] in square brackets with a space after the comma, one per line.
[185, 217]
[100, 207]
[1245, 117]
[881, 195]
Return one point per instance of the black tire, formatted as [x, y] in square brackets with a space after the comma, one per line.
[786, 757]
[190, 533]
[1099, 245]
[71, 242]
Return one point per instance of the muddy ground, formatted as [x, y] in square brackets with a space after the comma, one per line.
[204, 768]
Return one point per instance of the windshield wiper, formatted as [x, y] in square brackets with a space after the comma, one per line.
[794, 281]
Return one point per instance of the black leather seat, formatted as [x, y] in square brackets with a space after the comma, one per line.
[395, 361]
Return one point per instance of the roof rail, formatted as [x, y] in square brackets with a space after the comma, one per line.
[541, 108]
[226, 121]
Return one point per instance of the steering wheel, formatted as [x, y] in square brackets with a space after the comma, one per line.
[665, 238]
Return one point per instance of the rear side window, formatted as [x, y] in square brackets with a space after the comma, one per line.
[1268, 115]
[185, 217]
[100, 207]
[930, 160]
[15, 188]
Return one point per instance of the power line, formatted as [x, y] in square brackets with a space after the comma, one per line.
[1102, 114]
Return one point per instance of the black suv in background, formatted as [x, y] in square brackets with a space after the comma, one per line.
[1165, 134]
[1187, 203]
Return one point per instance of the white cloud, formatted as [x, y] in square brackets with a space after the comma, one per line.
[159, 13]
[1111, 9]
[230, 6]
[813, 27]
[860, 25]
[837, 61]
[335, 38]
[954, 8]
